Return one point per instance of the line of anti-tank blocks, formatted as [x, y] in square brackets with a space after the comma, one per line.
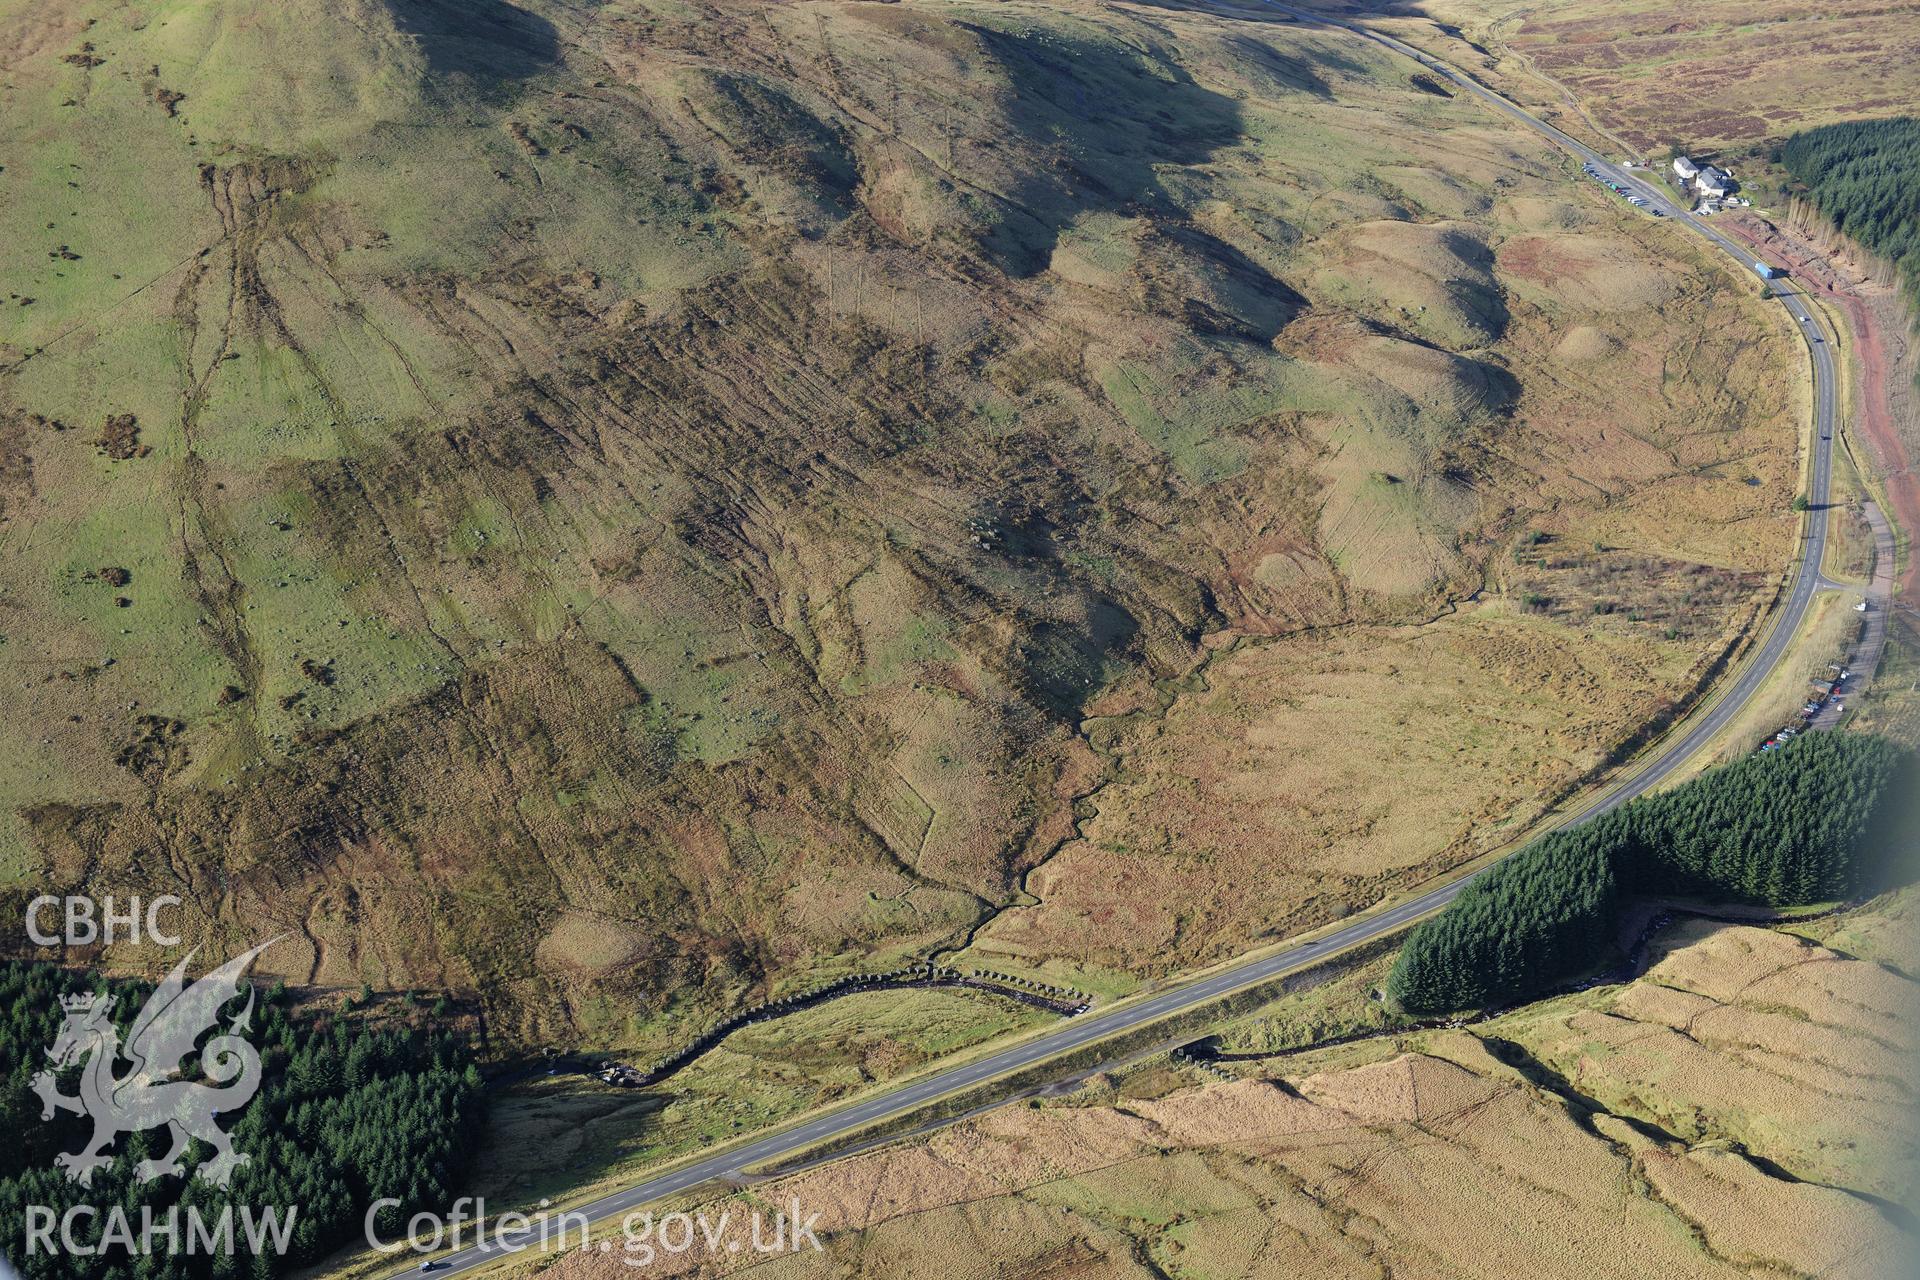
[928, 972]
[1185, 1055]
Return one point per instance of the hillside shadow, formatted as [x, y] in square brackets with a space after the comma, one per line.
[1284, 69]
[1358, 11]
[1103, 120]
[1065, 664]
[1478, 293]
[489, 42]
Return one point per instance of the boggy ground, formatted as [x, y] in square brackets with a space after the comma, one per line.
[618, 511]
[1741, 1108]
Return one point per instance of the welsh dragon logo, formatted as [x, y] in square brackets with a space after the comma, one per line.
[147, 1096]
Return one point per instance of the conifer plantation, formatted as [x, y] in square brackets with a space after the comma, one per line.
[1865, 176]
[349, 1112]
[1810, 823]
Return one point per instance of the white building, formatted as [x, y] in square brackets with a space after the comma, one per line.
[1713, 183]
[1686, 168]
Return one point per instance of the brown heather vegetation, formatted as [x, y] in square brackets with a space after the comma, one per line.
[640, 507]
[1713, 74]
[1731, 1112]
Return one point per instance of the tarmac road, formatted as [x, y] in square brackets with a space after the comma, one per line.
[1807, 578]
[1091, 1028]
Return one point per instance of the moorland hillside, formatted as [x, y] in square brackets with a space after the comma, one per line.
[617, 509]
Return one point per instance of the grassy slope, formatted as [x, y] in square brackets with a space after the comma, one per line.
[630, 506]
